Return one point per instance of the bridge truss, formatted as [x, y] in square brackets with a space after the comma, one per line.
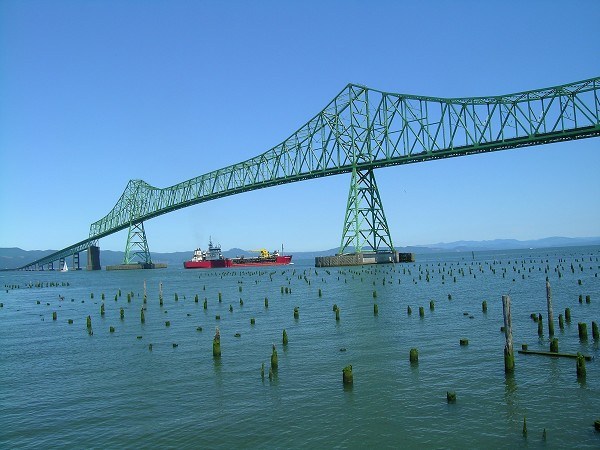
[363, 129]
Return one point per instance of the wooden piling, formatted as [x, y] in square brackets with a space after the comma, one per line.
[509, 356]
[285, 337]
[554, 345]
[375, 309]
[580, 366]
[550, 314]
[595, 334]
[274, 359]
[347, 376]
[582, 329]
[451, 397]
[414, 356]
[568, 315]
[217, 344]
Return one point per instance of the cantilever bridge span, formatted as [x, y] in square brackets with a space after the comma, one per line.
[360, 130]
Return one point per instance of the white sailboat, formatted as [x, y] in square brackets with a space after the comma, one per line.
[64, 267]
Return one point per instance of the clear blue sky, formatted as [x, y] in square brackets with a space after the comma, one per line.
[94, 93]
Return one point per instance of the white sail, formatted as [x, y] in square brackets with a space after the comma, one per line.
[64, 268]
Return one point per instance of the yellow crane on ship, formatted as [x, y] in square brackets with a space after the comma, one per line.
[264, 253]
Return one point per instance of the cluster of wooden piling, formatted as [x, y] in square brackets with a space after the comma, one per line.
[423, 274]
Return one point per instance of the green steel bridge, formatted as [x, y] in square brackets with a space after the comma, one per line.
[360, 130]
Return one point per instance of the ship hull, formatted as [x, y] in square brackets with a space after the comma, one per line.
[238, 262]
[207, 264]
[252, 262]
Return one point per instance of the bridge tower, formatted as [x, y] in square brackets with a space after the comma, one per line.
[137, 250]
[365, 225]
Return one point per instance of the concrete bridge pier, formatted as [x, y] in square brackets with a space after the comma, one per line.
[76, 265]
[93, 258]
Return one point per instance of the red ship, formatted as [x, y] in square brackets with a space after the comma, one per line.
[213, 259]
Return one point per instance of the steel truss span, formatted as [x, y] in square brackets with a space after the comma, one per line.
[364, 129]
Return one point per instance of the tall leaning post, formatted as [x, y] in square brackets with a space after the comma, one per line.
[550, 315]
[509, 356]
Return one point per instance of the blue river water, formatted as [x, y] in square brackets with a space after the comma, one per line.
[61, 386]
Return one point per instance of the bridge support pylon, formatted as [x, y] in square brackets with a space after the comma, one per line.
[137, 250]
[365, 225]
[93, 258]
[366, 236]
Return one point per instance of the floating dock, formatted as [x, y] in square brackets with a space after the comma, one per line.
[359, 259]
[137, 266]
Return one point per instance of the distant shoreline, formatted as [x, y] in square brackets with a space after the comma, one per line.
[12, 258]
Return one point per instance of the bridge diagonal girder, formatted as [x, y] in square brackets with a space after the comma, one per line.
[368, 129]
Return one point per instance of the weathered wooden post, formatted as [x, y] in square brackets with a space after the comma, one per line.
[375, 309]
[595, 334]
[451, 397]
[561, 322]
[582, 329]
[160, 294]
[142, 317]
[285, 337]
[145, 296]
[347, 376]
[122, 313]
[217, 344]
[540, 325]
[580, 365]
[568, 315]
[550, 315]
[509, 356]
[554, 345]
[274, 359]
[414, 356]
